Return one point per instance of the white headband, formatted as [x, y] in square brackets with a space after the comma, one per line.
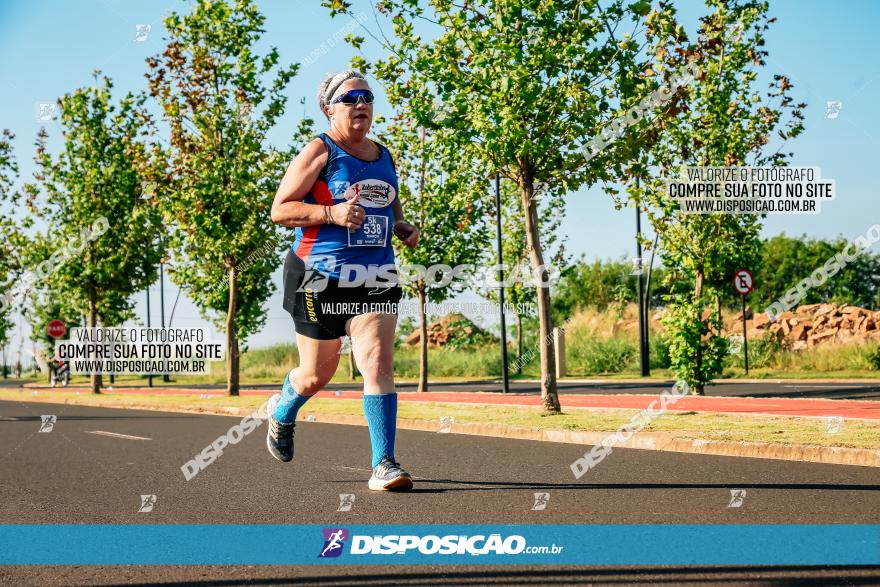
[337, 81]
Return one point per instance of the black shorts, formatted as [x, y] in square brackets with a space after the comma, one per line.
[321, 308]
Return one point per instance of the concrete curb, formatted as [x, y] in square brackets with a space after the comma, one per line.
[643, 441]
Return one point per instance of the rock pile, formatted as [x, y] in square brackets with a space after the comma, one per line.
[813, 324]
[452, 329]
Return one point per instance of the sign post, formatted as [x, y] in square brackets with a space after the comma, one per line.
[744, 283]
[56, 329]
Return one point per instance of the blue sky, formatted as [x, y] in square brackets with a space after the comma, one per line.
[828, 50]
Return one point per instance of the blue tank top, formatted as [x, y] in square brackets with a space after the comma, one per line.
[326, 248]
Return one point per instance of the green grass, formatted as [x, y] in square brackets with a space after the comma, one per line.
[480, 362]
[688, 425]
[850, 357]
[588, 354]
[769, 360]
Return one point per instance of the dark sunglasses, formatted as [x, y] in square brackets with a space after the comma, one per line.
[353, 96]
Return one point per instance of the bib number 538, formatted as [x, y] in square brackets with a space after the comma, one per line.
[372, 233]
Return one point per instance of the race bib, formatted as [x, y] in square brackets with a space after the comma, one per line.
[372, 233]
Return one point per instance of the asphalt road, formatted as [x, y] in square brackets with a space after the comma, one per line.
[771, 388]
[84, 472]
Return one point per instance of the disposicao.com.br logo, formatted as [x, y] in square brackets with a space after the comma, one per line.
[476, 545]
[334, 542]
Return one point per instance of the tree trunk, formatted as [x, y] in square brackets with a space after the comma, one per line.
[111, 374]
[549, 396]
[93, 323]
[423, 338]
[519, 344]
[699, 388]
[231, 334]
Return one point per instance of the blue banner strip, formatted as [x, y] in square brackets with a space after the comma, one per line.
[658, 544]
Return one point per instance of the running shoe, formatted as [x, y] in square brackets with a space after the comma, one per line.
[389, 476]
[279, 438]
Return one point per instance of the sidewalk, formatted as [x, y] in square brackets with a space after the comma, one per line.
[849, 409]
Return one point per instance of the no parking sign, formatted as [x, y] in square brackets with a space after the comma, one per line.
[743, 282]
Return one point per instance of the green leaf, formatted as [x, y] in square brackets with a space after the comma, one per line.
[641, 8]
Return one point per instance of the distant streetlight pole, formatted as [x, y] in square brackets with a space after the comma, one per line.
[506, 384]
[165, 377]
[174, 307]
[150, 375]
[644, 360]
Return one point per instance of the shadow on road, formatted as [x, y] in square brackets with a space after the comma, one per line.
[501, 485]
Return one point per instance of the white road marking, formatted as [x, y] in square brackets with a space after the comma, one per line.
[117, 435]
[353, 468]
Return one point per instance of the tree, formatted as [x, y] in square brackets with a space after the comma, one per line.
[52, 300]
[13, 241]
[43, 307]
[598, 284]
[437, 192]
[722, 122]
[97, 243]
[786, 260]
[220, 99]
[523, 85]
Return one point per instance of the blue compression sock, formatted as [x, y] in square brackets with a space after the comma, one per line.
[381, 413]
[290, 403]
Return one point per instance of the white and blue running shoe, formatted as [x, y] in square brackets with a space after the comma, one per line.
[389, 476]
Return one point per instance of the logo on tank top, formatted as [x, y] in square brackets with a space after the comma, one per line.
[374, 193]
[339, 188]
